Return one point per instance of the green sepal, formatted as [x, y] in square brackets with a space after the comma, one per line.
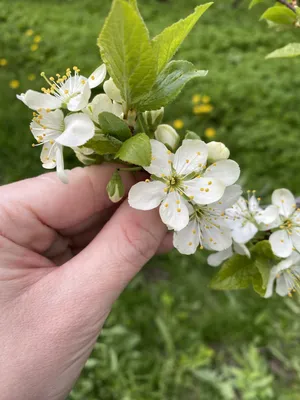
[115, 187]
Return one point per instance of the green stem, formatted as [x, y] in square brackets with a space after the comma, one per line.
[131, 169]
[143, 124]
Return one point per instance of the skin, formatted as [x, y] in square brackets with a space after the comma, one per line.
[66, 254]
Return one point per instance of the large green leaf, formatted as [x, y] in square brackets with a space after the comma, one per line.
[168, 41]
[127, 51]
[290, 50]
[280, 15]
[104, 144]
[236, 273]
[114, 126]
[169, 84]
[136, 150]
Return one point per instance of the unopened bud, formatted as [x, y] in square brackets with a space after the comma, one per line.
[168, 136]
[115, 188]
[155, 117]
[217, 151]
[112, 91]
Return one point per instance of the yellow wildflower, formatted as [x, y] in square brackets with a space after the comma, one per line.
[203, 109]
[210, 133]
[14, 84]
[178, 124]
[196, 98]
[29, 32]
[3, 62]
[34, 47]
[37, 39]
[31, 77]
[205, 99]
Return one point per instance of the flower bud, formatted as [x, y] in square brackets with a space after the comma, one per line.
[112, 91]
[115, 188]
[154, 118]
[217, 151]
[168, 136]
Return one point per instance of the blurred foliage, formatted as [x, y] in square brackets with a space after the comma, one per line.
[169, 336]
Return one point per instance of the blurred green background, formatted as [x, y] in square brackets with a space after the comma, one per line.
[169, 336]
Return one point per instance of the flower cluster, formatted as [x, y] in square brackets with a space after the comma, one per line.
[64, 116]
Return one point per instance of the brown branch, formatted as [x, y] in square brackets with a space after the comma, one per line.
[287, 4]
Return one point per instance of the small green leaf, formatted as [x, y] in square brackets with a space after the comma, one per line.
[136, 150]
[104, 144]
[115, 187]
[236, 273]
[169, 84]
[114, 126]
[254, 2]
[168, 41]
[290, 50]
[280, 15]
[127, 51]
[191, 135]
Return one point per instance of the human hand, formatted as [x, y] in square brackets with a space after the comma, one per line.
[51, 316]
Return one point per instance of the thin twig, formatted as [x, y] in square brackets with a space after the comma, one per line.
[287, 4]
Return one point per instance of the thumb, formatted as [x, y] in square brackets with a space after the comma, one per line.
[121, 249]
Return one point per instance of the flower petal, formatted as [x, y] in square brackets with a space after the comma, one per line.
[215, 238]
[281, 244]
[112, 91]
[229, 198]
[216, 259]
[174, 211]
[36, 100]
[227, 171]
[190, 157]
[146, 195]
[48, 155]
[60, 170]
[97, 77]
[285, 201]
[79, 128]
[50, 126]
[296, 238]
[100, 103]
[161, 160]
[204, 190]
[187, 240]
[267, 216]
[241, 249]
[80, 101]
[244, 232]
[253, 204]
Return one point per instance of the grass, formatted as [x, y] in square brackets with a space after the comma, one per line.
[169, 336]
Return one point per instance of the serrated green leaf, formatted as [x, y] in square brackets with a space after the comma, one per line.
[114, 126]
[169, 84]
[280, 15]
[191, 135]
[104, 144]
[254, 2]
[290, 50]
[115, 187]
[127, 51]
[236, 273]
[263, 248]
[136, 150]
[166, 44]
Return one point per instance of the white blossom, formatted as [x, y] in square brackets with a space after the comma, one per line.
[207, 226]
[102, 103]
[216, 259]
[286, 276]
[179, 178]
[52, 130]
[112, 91]
[68, 91]
[217, 151]
[287, 238]
[246, 218]
[167, 135]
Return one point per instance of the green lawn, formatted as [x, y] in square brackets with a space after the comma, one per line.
[169, 336]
